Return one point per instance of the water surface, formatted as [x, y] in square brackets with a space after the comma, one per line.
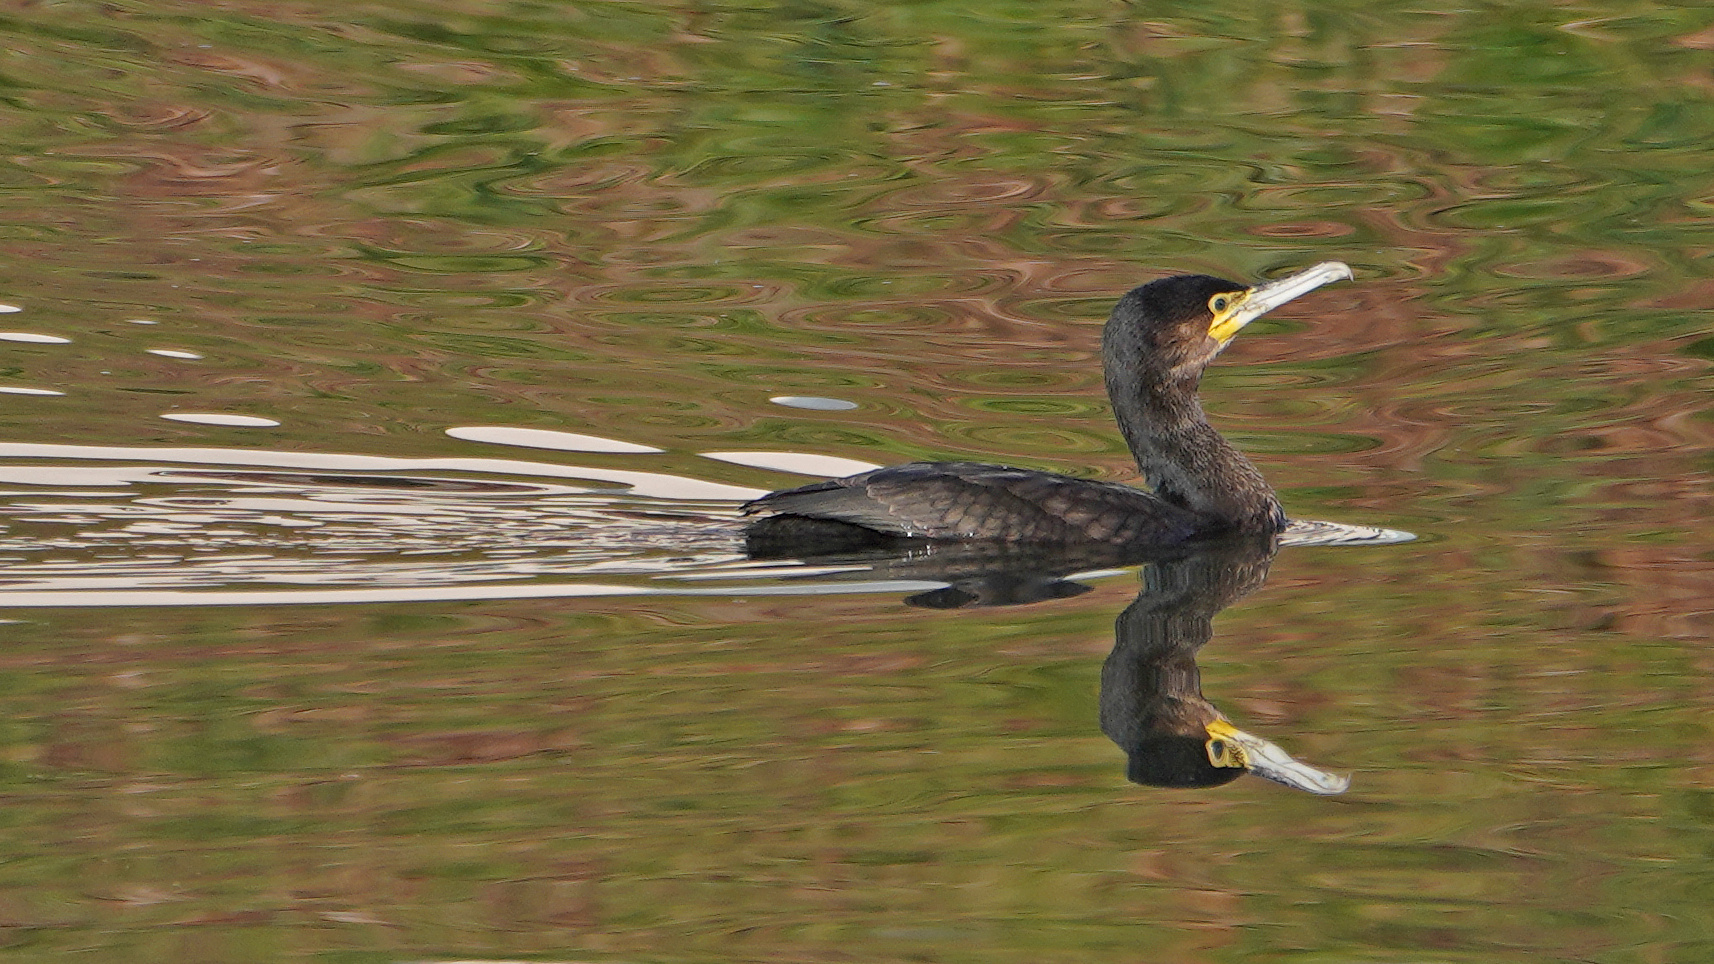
[653, 225]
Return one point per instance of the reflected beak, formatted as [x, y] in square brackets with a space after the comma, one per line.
[1229, 746]
[1249, 305]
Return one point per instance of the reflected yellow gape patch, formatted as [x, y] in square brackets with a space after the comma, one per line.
[1223, 750]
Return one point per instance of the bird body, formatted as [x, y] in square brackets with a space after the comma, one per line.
[1160, 338]
[974, 500]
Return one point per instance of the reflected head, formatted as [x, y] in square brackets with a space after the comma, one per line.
[1176, 761]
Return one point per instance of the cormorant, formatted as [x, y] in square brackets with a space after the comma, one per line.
[1160, 338]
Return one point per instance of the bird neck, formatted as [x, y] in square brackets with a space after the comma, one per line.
[1150, 683]
[1185, 460]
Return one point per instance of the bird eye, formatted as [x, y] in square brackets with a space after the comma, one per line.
[1223, 753]
[1218, 303]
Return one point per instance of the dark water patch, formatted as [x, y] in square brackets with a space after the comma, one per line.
[1040, 441]
[1037, 407]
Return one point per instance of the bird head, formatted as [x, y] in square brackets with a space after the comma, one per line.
[1177, 325]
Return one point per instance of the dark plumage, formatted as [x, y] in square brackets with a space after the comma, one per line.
[1155, 347]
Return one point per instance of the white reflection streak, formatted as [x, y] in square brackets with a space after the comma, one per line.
[48, 598]
[647, 484]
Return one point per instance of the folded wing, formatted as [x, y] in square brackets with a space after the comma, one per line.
[973, 500]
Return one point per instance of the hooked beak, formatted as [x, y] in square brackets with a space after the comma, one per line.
[1229, 746]
[1255, 302]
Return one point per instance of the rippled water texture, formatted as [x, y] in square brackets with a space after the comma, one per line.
[481, 319]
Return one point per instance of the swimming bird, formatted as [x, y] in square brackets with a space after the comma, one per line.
[1154, 348]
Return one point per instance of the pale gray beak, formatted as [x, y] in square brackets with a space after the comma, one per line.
[1229, 746]
[1249, 305]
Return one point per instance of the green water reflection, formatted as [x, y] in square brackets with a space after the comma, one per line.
[641, 222]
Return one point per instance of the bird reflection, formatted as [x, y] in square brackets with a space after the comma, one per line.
[1151, 690]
